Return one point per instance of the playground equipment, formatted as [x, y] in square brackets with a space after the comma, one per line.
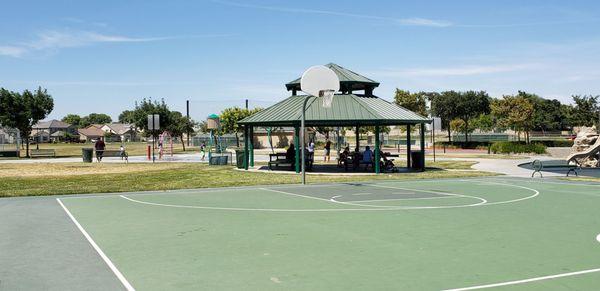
[165, 145]
[10, 140]
[217, 155]
[586, 147]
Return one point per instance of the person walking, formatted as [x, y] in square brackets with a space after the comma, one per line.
[99, 146]
[327, 150]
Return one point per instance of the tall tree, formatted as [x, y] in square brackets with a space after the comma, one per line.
[415, 102]
[95, 118]
[180, 125]
[22, 111]
[515, 112]
[443, 105]
[72, 119]
[586, 110]
[147, 107]
[469, 105]
[230, 118]
[127, 116]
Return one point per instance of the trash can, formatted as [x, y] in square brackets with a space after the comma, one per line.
[239, 158]
[87, 154]
[417, 160]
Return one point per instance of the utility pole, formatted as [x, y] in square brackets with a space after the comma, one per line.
[246, 104]
[187, 113]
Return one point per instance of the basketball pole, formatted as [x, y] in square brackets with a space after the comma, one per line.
[302, 129]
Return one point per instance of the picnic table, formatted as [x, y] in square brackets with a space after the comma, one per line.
[281, 160]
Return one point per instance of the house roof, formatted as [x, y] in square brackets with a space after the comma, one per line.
[120, 128]
[51, 124]
[348, 79]
[346, 110]
[91, 131]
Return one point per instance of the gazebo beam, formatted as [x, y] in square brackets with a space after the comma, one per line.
[357, 133]
[423, 146]
[408, 146]
[246, 147]
[377, 157]
[297, 147]
[251, 145]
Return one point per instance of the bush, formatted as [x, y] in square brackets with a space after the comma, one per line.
[512, 147]
[556, 143]
[463, 145]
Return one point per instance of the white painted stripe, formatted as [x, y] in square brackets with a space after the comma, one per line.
[598, 237]
[526, 280]
[98, 250]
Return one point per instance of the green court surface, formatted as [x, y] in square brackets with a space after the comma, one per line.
[505, 233]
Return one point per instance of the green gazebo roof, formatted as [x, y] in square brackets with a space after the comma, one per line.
[348, 79]
[346, 110]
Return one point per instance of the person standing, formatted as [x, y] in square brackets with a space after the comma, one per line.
[327, 150]
[99, 146]
[203, 150]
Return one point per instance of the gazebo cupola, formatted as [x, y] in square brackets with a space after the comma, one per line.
[349, 82]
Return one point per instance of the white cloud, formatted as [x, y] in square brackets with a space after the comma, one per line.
[53, 40]
[415, 21]
[455, 71]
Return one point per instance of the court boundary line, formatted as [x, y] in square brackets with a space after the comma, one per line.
[523, 281]
[104, 257]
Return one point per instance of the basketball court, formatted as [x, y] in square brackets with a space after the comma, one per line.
[411, 235]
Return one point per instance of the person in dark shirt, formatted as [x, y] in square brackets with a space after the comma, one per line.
[99, 146]
[327, 151]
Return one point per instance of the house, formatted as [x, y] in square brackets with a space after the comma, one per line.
[122, 131]
[51, 131]
[90, 133]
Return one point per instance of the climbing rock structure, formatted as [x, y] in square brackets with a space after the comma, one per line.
[586, 148]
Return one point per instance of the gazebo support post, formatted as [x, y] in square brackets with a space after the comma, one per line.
[422, 147]
[246, 147]
[377, 157]
[408, 146]
[251, 145]
[297, 147]
[357, 133]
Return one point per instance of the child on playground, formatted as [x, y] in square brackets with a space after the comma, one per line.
[203, 150]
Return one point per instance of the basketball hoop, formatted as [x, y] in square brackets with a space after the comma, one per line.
[327, 96]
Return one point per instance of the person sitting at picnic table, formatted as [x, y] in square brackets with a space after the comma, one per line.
[344, 157]
[99, 146]
[290, 154]
[367, 157]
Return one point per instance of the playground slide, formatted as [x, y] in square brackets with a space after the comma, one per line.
[592, 150]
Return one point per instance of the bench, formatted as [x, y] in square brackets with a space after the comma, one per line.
[112, 153]
[38, 153]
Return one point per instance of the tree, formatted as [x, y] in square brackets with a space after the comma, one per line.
[415, 102]
[469, 105]
[458, 125]
[22, 111]
[515, 112]
[147, 107]
[484, 122]
[180, 125]
[230, 118]
[95, 118]
[586, 110]
[443, 105]
[127, 116]
[72, 119]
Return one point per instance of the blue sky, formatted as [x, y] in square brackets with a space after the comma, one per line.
[102, 56]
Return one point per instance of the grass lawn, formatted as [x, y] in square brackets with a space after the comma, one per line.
[73, 178]
[74, 149]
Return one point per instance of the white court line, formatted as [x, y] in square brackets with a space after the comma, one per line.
[526, 280]
[394, 199]
[98, 250]
[598, 237]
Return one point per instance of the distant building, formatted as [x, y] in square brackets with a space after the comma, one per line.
[51, 131]
[90, 133]
[122, 131]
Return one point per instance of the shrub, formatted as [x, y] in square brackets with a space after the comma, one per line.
[463, 145]
[511, 147]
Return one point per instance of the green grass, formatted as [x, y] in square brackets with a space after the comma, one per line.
[74, 149]
[73, 178]
[158, 247]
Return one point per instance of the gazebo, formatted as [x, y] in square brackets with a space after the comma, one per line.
[349, 109]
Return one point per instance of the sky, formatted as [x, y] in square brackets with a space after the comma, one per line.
[103, 56]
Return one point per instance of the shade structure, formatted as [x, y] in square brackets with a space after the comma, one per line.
[347, 110]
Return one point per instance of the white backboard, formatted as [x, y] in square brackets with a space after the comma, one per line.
[319, 78]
